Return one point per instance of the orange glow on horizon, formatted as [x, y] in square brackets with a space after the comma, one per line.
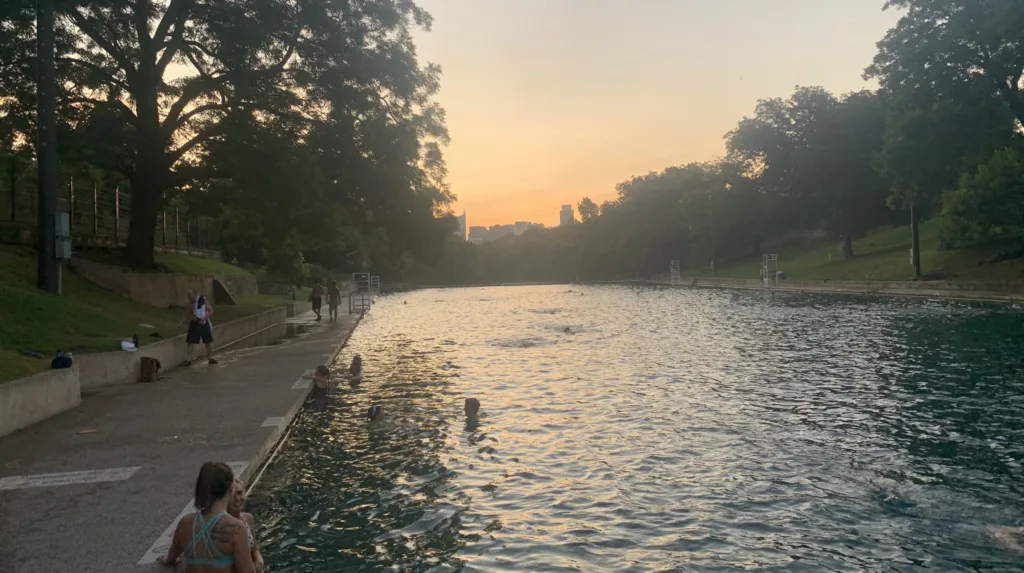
[549, 101]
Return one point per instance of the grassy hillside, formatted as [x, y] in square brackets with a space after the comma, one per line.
[178, 263]
[84, 318]
[883, 254]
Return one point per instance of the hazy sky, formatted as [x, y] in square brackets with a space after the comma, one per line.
[552, 100]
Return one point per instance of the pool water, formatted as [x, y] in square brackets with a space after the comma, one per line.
[668, 430]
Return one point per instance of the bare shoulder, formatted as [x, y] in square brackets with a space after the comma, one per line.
[249, 519]
[184, 526]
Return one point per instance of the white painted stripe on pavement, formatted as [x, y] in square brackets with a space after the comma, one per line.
[273, 422]
[163, 543]
[67, 478]
[303, 382]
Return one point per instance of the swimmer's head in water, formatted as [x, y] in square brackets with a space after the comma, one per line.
[472, 407]
[375, 413]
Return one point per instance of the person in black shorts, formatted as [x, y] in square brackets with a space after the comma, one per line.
[317, 298]
[333, 300]
[200, 329]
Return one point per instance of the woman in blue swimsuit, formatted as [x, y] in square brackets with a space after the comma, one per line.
[210, 540]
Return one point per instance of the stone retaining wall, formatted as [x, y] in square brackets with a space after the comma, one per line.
[162, 290]
[1000, 291]
[111, 368]
[29, 400]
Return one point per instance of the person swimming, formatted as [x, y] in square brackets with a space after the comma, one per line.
[472, 408]
[355, 370]
[375, 414]
[322, 377]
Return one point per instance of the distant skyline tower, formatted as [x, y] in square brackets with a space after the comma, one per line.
[566, 216]
[463, 229]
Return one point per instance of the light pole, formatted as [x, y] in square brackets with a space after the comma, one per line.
[46, 151]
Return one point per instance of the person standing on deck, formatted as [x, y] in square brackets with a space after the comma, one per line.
[200, 329]
[317, 297]
[333, 300]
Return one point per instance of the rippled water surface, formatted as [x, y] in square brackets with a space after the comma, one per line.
[672, 430]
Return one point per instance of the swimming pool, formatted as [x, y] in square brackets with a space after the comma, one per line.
[671, 430]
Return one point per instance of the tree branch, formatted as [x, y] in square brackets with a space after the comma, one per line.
[188, 95]
[141, 13]
[106, 75]
[277, 68]
[180, 9]
[199, 138]
[192, 113]
[86, 26]
[117, 104]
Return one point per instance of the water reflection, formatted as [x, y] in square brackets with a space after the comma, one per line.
[673, 430]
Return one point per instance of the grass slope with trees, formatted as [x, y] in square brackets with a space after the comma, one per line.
[85, 318]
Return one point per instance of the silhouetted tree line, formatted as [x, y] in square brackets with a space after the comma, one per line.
[309, 129]
[941, 137]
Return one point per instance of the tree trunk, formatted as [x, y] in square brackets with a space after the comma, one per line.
[150, 176]
[847, 247]
[915, 242]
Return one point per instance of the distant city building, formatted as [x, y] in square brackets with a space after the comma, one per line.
[462, 233]
[524, 226]
[566, 216]
[479, 235]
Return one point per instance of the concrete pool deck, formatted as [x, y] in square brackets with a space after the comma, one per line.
[96, 488]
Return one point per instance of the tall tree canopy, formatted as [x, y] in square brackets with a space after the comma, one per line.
[942, 48]
[160, 89]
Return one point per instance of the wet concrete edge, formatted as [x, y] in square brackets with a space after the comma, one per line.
[260, 459]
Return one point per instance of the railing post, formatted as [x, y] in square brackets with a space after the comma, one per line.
[188, 233]
[14, 188]
[95, 210]
[71, 207]
[163, 228]
[117, 213]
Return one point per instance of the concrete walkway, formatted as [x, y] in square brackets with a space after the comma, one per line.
[124, 464]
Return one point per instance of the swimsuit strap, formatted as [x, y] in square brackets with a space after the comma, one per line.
[252, 540]
[202, 531]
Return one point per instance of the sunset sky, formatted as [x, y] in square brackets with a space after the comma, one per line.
[552, 100]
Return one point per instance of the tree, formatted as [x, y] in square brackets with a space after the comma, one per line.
[989, 204]
[925, 150]
[768, 147]
[836, 167]
[588, 209]
[154, 83]
[942, 49]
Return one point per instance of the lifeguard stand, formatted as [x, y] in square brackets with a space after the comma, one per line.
[673, 272]
[769, 270]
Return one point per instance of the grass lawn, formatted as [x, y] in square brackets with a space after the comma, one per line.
[178, 263]
[884, 254]
[85, 318]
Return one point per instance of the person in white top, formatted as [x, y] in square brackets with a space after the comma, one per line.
[200, 329]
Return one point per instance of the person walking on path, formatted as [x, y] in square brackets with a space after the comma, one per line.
[211, 540]
[333, 300]
[317, 297]
[200, 329]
